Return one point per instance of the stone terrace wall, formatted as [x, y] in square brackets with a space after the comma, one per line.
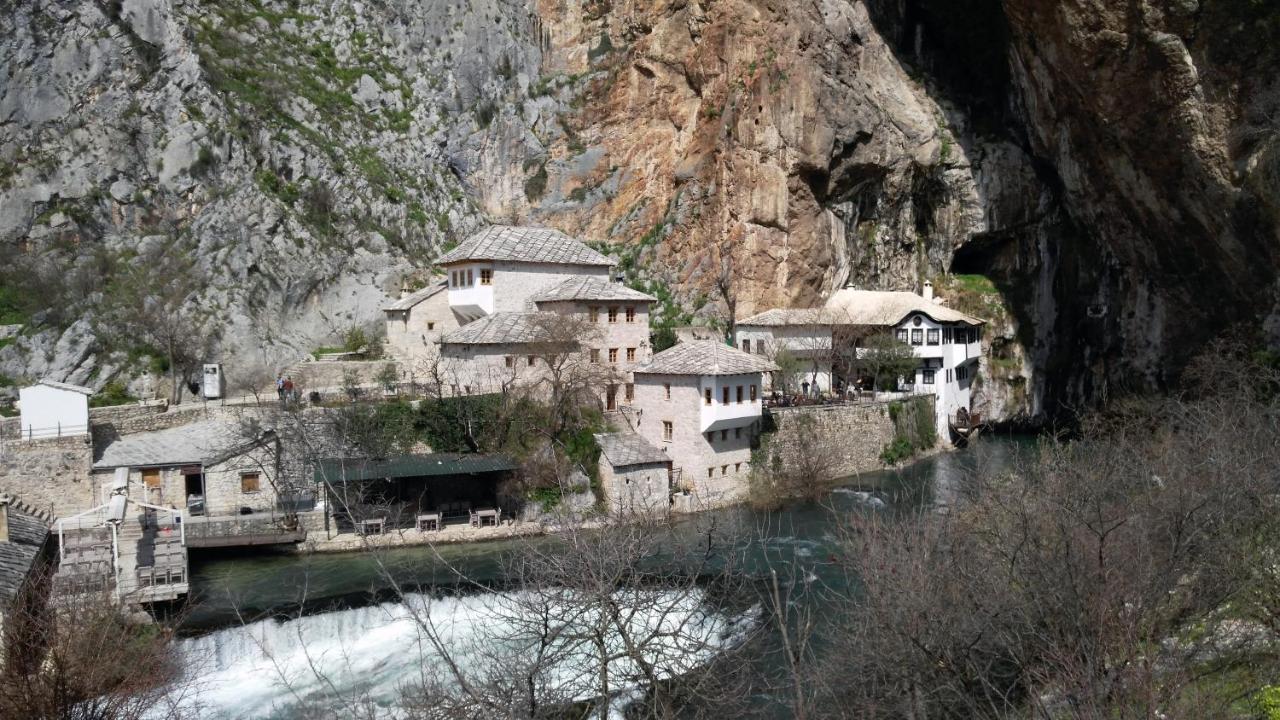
[329, 374]
[50, 475]
[852, 435]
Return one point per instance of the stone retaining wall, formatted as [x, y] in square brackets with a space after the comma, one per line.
[331, 374]
[852, 436]
[50, 475]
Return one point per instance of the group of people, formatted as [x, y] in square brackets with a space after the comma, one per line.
[286, 390]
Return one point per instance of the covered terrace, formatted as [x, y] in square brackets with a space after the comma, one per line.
[424, 492]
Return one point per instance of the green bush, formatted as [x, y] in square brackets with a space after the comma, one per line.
[113, 393]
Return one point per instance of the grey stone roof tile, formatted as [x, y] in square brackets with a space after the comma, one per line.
[524, 244]
[627, 448]
[191, 444]
[705, 357]
[591, 288]
[27, 534]
[501, 328]
[412, 299]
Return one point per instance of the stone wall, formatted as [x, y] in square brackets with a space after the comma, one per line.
[852, 436]
[329, 375]
[50, 475]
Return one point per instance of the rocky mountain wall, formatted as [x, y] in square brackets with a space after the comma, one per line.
[1111, 166]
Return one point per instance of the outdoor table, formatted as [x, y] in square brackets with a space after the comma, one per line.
[429, 519]
[367, 527]
[479, 516]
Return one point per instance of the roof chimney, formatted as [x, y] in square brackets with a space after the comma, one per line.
[928, 290]
[4, 518]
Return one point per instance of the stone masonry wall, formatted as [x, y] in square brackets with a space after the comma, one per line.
[853, 436]
[50, 475]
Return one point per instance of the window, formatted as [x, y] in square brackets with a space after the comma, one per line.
[611, 398]
[759, 347]
[631, 314]
[737, 467]
[706, 393]
[927, 376]
[917, 337]
[453, 278]
[666, 388]
[724, 470]
[532, 359]
[511, 362]
[740, 395]
[746, 346]
[753, 393]
[711, 472]
[946, 336]
[961, 336]
[629, 392]
[932, 336]
[724, 395]
[711, 436]
[724, 435]
[902, 336]
[486, 276]
[431, 326]
[471, 278]
[667, 430]
[593, 314]
[151, 478]
[595, 355]
[250, 482]
[737, 433]
[962, 372]
[631, 354]
[613, 355]
[613, 314]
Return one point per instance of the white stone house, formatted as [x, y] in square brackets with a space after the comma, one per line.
[501, 268]
[208, 468]
[804, 334]
[416, 322]
[53, 409]
[947, 341]
[701, 403]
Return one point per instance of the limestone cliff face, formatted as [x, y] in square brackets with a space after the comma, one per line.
[1158, 121]
[1113, 167]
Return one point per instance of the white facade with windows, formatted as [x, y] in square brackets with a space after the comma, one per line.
[947, 342]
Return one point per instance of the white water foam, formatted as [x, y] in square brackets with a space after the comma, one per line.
[271, 669]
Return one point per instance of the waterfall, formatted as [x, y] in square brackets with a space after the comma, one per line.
[275, 669]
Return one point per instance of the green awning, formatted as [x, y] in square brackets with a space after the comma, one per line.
[407, 466]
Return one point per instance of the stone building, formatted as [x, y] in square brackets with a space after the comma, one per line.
[946, 341]
[416, 322]
[501, 268]
[635, 476]
[701, 403]
[210, 468]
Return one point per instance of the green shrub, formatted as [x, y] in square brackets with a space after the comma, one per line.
[113, 393]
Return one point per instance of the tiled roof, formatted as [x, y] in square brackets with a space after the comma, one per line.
[67, 386]
[705, 357]
[627, 448]
[504, 327]
[591, 288]
[524, 244]
[354, 469]
[27, 534]
[798, 316]
[879, 307]
[192, 444]
[409, 301]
